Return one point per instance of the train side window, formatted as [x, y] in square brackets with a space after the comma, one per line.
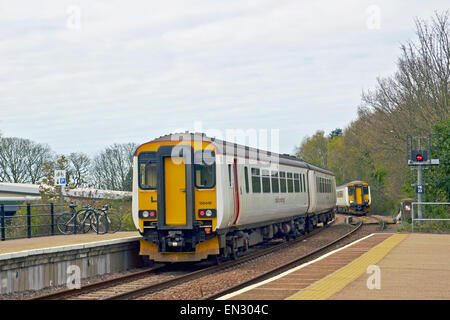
[246, 179]
[301, 183]
[148, 175]
[256, 181]
[229, 174]
[205, 176]
[290, 182]
[304, 182]
[275, 182]
[265, 181]
[282, 181]
[296, 182]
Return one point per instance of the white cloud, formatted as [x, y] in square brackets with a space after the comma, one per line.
[139, 69]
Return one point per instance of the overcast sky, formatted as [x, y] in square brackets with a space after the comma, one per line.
[81, 75]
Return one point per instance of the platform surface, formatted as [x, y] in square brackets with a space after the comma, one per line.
[40, 244]
[380, 266]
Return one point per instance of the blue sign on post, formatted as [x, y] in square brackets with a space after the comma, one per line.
[60, 177]
[420, 189]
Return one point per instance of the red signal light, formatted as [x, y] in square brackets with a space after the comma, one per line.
[202, 213]
[419, 157]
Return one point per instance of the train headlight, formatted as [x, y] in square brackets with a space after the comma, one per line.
[207, 213]
[147, 214]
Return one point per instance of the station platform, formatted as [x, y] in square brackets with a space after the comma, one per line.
[37, 263]
[381, 266]
[29, 246]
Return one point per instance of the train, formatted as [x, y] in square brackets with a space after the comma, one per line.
[197, 197]
[353, 198]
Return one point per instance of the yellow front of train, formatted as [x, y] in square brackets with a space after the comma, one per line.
[359, 197]
[174, 199]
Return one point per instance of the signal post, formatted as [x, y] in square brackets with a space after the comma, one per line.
[418, 157]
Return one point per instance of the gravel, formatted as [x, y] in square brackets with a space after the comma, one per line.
[208, 285]
[199, 288]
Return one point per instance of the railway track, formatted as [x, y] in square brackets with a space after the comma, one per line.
[141, 283]
[275, 271]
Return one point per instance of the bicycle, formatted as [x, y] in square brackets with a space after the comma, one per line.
[82, 220]
[67, 222]
[114, 221]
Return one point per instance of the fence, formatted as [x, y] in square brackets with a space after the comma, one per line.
[30, 221]
[431, 215]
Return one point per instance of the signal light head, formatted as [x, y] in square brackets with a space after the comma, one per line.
[419, 157]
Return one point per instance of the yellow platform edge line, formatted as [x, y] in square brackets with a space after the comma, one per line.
[333, 283]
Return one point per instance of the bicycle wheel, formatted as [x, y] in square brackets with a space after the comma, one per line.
[65, 223]
[98, 223]
[84, 220]
[114, 222]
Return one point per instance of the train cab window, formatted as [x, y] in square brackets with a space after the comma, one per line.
[204, 169]
[265, 181]
[247, 189]
[148, 175]
[351, 191]
[282, 181]
[290, 182]
[365, 190]
[205, 177]
[256, 181]
[296, 182]
[275, 182]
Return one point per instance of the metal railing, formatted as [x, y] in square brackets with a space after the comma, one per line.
[414, 220]
[30, 220]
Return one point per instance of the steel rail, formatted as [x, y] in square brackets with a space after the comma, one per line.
[171, 282]
[96, 285]
[204, 272]
[278, 270]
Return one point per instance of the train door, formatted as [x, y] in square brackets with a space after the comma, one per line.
[312, 193]
[235, 183]
[358, 194]
[175, 188]
[175, 191]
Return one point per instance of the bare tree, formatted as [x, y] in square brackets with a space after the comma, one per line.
[112, 169]
[418, 95]
[79, 169]
[22, 160]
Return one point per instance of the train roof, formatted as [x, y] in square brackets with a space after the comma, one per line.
[351, 182]
[238, 149]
